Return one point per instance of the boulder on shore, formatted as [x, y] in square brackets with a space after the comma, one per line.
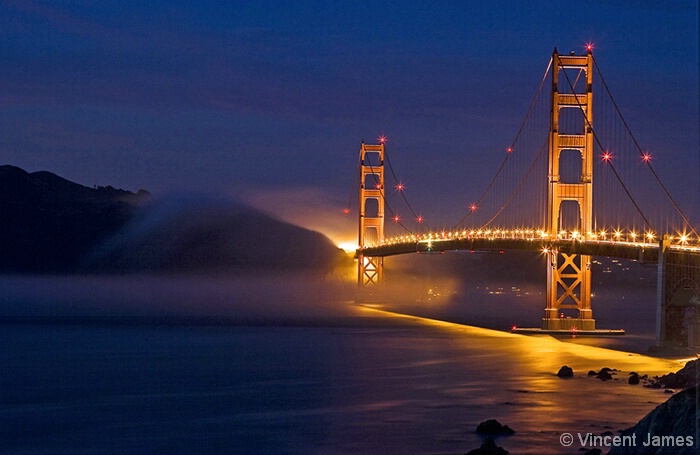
[494, 427]
[688, 376]
[676, 417]
[565, 372]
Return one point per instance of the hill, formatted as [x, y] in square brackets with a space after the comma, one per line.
[201, 234]
[49, 224]
[52, 225]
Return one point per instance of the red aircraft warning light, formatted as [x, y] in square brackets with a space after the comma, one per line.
[646, 157]
[472, 208]
[400, 186]
[397, 218]
[346, 211]
[607, 156]
[382, 139]
[589, 47]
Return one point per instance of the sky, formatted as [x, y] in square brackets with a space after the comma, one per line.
[269, 101]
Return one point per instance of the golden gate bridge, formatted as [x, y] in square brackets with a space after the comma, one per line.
[542, 198]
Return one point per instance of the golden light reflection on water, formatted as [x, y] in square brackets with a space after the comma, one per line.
[545, 352]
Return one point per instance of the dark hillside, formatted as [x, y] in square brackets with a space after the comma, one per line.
[52, 225]
[49, 224]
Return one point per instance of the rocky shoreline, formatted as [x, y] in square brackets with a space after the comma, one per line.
[672, 428]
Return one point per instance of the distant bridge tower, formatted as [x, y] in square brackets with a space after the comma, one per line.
[370, 270]
[569, 275]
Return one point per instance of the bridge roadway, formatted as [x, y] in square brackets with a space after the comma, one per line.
[645, 252]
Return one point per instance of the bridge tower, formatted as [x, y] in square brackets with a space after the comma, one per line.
[370, 270]
[569, 275]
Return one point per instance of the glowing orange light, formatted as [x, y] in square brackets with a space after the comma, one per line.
[607, 156]
[397, 218]
[400, 187]
[646, 157]
[382, 139]
[346, 211]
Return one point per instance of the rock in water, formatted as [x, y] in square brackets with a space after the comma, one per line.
[688, 376]
[677, 417]
[565, 372]
[489, 447]
[494, 427]
[604, 375]
[634, 379]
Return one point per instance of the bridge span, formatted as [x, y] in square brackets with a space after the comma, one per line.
[523, 240]
[651, 226]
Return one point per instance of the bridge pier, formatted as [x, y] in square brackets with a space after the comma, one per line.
[677, 298]
[569, 288]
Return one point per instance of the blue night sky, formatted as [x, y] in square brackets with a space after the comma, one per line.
[268, 101]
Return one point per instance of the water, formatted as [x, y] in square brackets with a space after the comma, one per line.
[368, 383]
[195, 365]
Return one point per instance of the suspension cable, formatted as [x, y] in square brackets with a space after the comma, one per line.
[641, 152]
[403, 195]
[510, 149]
[520, 184]
[597, 140]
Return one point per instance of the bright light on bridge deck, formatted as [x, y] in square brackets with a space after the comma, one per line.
[348, 247]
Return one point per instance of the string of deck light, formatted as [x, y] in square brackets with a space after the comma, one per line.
[646, 157]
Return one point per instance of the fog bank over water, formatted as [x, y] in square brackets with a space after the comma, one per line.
[271, 298]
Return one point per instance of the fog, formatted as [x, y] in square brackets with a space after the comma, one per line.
[273, 298]
[468, 289]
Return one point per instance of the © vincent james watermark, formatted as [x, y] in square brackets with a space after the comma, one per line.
[648, 440]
